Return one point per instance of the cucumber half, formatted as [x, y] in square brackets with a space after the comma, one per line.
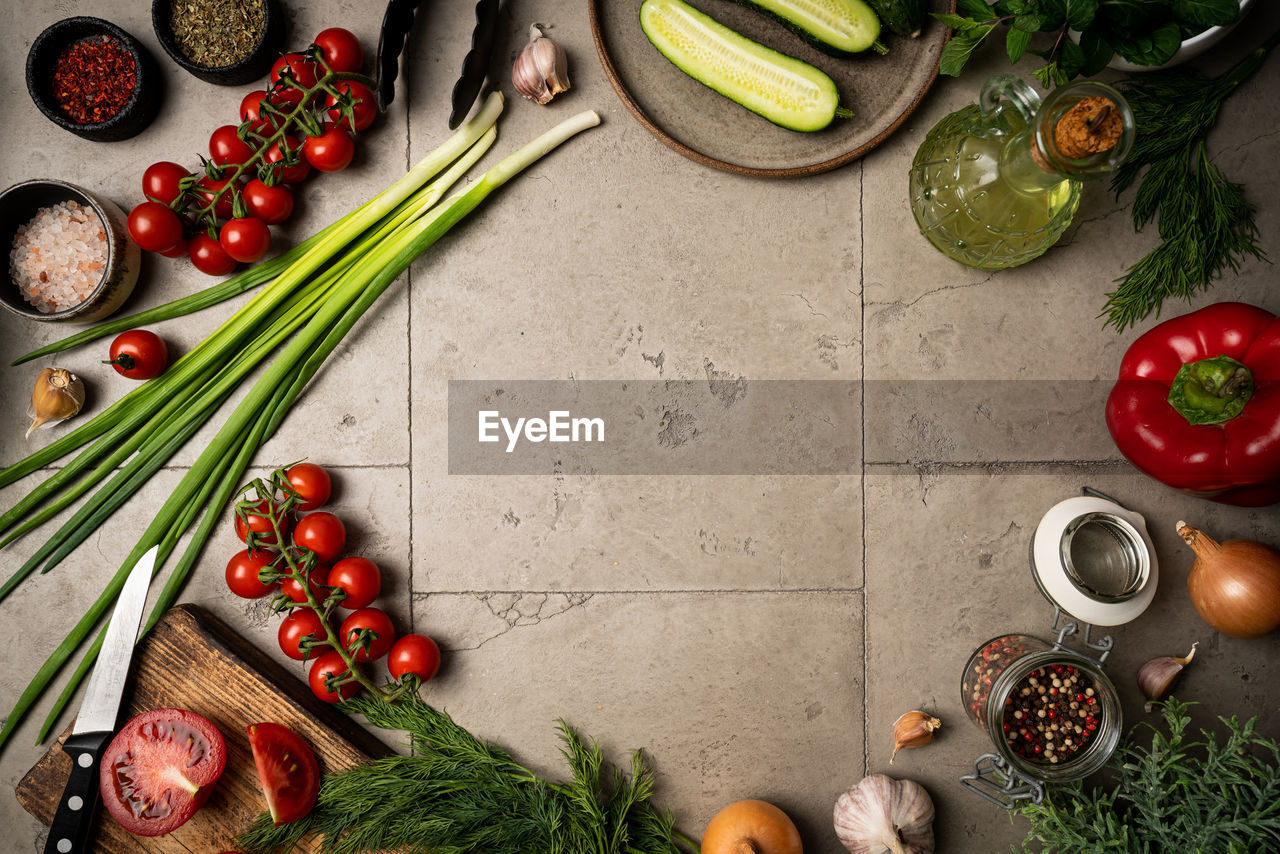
[786, 91]
[836, 27]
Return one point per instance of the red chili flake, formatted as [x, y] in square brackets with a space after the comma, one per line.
[93, 79]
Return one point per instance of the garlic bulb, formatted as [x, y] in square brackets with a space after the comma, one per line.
[58, 394]
[882, 815]
[541, 69]
[1157, 676]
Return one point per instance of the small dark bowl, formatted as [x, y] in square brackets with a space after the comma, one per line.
[136, 114]
[18, 205]
[253, 67]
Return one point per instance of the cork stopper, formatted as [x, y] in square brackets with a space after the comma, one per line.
[1092, 126]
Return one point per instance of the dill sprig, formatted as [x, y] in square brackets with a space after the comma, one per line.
[1179, 795]
[1205, 223]
[458, 794]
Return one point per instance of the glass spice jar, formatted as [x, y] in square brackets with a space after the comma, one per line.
[1051, 714]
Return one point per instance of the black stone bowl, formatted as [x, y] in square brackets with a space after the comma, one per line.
[253, 67]
[18, 205]
[136, 114]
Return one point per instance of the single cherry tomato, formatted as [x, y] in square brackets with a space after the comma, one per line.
[154, 227]
[179, 250]
[162, 182]
[138, 354]
[242, 573]
[272, 205]
[317, 579]
[341, 49]
[208, 257]
[226, 148]
[364, 108]
[322, 533]
[288, 164]
[257, 520]
[359, 578]
[311, 483]
[330, 663]
[301, 69]
[207, 187]
[415, 654]
[287, 770]
[159, 769]
[251, 111]
[245, 239]
[331, 151]
[378, 623]
[295, 628]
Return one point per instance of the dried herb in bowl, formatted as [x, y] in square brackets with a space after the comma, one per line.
[217, 33]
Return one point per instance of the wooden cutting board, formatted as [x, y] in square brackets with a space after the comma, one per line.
[192, 660]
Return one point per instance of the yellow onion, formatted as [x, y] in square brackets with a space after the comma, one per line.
[1235, 586]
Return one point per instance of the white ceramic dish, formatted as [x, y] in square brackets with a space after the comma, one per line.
[1191, 48]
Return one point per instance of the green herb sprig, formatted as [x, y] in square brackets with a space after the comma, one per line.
[1206, 224]
[1145, 32]
[1177, 796]
[461, 795]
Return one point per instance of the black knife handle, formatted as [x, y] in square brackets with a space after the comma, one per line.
[475, 65]
[396, 24]
[69, 833]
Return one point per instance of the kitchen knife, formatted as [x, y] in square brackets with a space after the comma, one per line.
[96, 722]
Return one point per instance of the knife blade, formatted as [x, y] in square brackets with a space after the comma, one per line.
[96, 722]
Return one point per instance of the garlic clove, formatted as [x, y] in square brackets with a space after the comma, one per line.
[1157, 676]
[58, 394]
[882, 814]
[541, 69]
[913, 729]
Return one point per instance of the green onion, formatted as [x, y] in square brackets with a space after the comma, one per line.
[320, 290]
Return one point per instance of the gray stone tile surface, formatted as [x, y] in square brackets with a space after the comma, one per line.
[756, 634]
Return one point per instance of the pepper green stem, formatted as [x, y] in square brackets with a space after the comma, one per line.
[1211, 391]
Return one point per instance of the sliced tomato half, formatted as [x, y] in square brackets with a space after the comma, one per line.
[159, 769]
[287, 770]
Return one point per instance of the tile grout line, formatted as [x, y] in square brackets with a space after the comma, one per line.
[862, 441]
[408, 164]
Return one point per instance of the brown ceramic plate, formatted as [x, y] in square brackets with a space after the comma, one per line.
[709, 128]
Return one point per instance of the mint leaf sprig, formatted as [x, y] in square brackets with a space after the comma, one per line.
[1144, 32]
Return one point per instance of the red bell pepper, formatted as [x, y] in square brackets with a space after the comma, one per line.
[1197, 405]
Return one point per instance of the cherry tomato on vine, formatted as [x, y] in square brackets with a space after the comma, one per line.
[297, 626]
[245, 239]
[375, 621]
[259, 522]
[416, 654]
[312, 484]
[330, 663]
[295, 172]
[154, 227]
[359, 578]
[138, 354]
[322, 533]
[316, 580]
[287, 770]
[251, 111]
[242, 573]
[364, 109]
[161, 182]
[301, 69]
[341, 49]
[206, 187]
[208, 257]
[271, 204]
[331, 151]
[226, 148]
